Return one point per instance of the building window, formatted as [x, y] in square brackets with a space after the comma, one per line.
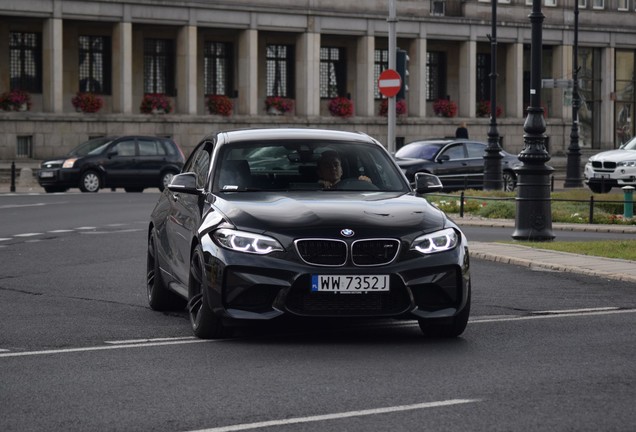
[280, 68]
[24, 147]
[94, 64]
[438, 7]
[333, 72]
[590, 93]
[483, 77]
[159, 66]
[598, 4]
[622, 5]
[436, 75]
[217, 68]
[551, 3]
[380, 63]
[582, 3]
[26, 61]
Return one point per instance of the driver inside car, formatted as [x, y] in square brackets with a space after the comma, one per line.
[330, 170]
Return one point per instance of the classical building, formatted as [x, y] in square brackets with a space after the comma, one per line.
[307, 52]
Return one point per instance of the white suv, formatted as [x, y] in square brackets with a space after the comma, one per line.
[613, 168]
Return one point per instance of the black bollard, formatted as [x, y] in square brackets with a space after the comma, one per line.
[12, 177]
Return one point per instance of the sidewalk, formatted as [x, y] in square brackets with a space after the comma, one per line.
[609, 268]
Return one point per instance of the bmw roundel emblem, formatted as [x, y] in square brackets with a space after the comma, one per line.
[346, 232]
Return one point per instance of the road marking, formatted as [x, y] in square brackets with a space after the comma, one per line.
[341, 415]
[5, 239]
[59, 231]
[142, 343]
[27, 235]
[102, 348]
[9, 206]
[86, 228]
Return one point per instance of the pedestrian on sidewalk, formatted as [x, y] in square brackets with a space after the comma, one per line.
[461, 131]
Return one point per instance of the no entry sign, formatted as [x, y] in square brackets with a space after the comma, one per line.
[389, 83]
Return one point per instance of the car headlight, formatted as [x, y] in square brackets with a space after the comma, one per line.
[68, 163]
[631, 163]
[438, 241]
[241, 241]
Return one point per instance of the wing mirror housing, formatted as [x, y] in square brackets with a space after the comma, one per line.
[185, 183]
[427, 183]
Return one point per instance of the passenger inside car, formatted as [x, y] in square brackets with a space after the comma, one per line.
[329, 168]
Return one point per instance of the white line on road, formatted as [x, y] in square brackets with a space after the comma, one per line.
[8, 206]
[335, 416]
[138, 341]
[59, 231]
[27, 235]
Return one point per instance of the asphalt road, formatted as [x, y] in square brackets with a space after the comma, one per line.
[80, 350]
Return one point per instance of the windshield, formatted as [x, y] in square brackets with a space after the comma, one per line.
[306, 165]
[629, 145]
[419, 151]
[90, 146]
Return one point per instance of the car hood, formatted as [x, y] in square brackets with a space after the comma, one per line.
[378, 214]
[614, 156]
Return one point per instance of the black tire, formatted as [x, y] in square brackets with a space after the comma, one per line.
[133, 190]
[205, 324]
[599, 187]
[446, 327]
[165, 180]
[90, 181]
[509, 181]
[160, 298]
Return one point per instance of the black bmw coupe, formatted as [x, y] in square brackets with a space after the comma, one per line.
[249, 231]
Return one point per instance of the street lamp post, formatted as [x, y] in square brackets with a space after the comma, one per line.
[492, 158]
[573, 170]
[533, 219]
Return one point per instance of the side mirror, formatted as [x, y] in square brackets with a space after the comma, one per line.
[427, 183]
[185, 183]
[112, 153]
[443, 158]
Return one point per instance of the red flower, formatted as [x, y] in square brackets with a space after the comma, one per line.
[87, 102]
[15, 100]
[445, 108]
[400, 107]
[219, 104]
[279, 103]
[155, 102]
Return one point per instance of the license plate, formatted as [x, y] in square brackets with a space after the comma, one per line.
[349, 284]
[597, 175]
[46, 174]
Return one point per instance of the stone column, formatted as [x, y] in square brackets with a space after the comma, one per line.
[513, 96]
[607, 121]
[561, 68]
[187, 70]
[52, 59]
[248, 73]
[365, 86]
[416, 96]
[467, 78]
[308, 74]
[122, 68]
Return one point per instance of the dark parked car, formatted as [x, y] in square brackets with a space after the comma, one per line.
[240, 238]
[129, 162]
[458, 163]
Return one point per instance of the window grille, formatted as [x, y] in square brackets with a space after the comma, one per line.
[95, 64]
[24, 147]
[483, 77]
[280, 77]
[25, 61]
[380, 63]
[159, 66]
[217, 68]
[333, 78]
[436, 75]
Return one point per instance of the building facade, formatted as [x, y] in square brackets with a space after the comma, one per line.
[308, 53]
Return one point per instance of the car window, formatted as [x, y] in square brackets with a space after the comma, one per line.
[200, 165]
[125, 148]
[475, 150]
[169, 147]
[294, 166]
[454, 152]
[419, 151]
[150, 148]
[91, 145]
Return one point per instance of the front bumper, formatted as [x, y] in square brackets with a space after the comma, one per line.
[243, 286]
[62, 177]
[616, 177]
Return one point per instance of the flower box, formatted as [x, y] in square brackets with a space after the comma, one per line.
[87, 102]
[278, 105]
[155, 103]
[483, 109]
[341, 107]
[400, 107]
[219, 105]
[15, 100]
[445, 108]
